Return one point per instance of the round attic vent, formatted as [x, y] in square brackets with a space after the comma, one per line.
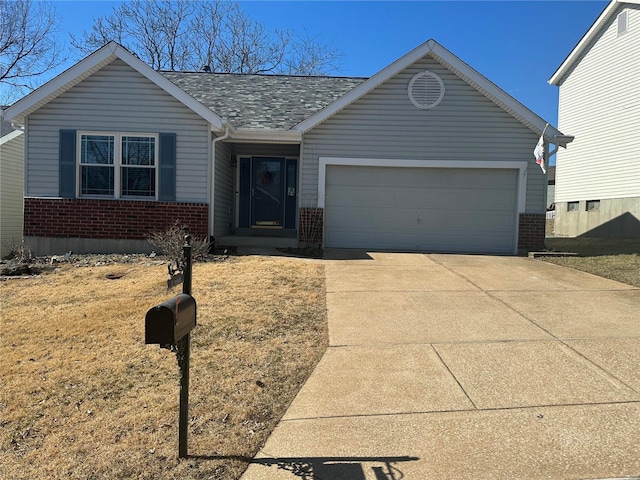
[426, 90]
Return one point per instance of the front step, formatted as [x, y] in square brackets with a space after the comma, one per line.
[256, 241]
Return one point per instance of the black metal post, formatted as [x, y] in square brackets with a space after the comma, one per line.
[186, 252]
[184, 352]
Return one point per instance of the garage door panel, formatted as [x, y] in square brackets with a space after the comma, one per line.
[353, 176]
[421, 197]
[458, 210]
[434, 242]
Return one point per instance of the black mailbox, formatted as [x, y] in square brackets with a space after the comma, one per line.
[168, 322]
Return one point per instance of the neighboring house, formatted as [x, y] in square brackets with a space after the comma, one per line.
[425, 155]
[11, 182]
[598, 178]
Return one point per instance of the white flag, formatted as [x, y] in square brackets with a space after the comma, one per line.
[538, 152]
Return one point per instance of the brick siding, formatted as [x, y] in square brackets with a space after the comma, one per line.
[113, 219]
[532, 231]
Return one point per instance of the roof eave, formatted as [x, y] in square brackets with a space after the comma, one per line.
[252, 135]
[497, 95]
[449, 60]
[365, 87]
[89, 65]
[10, 136]
[574, 55]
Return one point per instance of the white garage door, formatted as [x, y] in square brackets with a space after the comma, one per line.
[421, 209]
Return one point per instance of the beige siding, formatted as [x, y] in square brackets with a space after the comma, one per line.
[118, 99]
[11, 194]
[600, 105]
[615, 218]
[383, 124]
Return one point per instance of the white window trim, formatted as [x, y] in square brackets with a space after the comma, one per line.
[117, 164]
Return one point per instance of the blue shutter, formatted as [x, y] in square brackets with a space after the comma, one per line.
[67, 164]
[167, 174]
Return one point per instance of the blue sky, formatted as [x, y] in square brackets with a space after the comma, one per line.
[516, 44]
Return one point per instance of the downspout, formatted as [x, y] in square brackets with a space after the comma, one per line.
[212, 209]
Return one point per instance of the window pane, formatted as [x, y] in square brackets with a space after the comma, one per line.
[139, 182]
[97, 149]
[138, 150]
[97, 181]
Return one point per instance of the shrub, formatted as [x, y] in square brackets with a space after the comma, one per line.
[19, 251]
[170, 241]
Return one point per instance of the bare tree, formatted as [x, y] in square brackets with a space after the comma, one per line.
[156, 30]
[185, 35]
[207, 27]
[310, 57]
[28, 47]
[247, 47]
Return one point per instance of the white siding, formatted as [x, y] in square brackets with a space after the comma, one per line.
[118, 99]
[11, 194]
[600, 106]
[384, 124]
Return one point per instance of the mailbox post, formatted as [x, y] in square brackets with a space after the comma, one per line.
[169, 325]
[184, 354]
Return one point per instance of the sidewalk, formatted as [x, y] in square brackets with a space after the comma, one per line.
[452, 366]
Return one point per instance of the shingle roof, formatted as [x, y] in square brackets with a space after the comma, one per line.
[262, 101]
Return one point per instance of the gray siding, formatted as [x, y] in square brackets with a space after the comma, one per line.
[223, 190]
[600, 104]
[384, 124]
[118, 99]
[11, 195]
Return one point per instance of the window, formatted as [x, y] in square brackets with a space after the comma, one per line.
[573, 206]
[96, 160]
[593, 205]
[622, 22]
[138, 166]
[118, 165]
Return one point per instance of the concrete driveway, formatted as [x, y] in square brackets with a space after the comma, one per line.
[457, 366]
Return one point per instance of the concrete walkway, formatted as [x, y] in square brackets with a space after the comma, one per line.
[466, 367]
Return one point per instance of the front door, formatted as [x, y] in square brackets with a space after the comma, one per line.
[267, 193]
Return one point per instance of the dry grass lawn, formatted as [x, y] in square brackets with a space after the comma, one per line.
[617, 260]
[84, 398]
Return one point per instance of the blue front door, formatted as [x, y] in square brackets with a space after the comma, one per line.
[268, 191]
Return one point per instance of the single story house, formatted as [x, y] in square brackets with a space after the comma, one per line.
[598, 178]
[11, 180]
[425, 155]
